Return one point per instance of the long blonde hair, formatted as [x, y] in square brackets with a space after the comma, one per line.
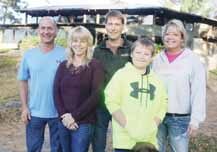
[82, 33]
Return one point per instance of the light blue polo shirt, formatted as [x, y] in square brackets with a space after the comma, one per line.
[39, 69]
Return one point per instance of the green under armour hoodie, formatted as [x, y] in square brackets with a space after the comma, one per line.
[141, 97]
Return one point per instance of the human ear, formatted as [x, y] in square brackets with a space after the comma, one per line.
[131, 54]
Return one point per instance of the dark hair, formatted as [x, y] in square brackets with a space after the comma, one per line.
[114, 13]
[144, 147]
[144, 41]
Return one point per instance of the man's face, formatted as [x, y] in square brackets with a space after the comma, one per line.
[47, 31]
[114, 28]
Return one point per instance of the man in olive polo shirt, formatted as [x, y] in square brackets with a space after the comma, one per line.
[113, 53]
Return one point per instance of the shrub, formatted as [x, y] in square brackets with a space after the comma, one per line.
[32, 41]
[29, 42]
[158, 47]
[61, 41]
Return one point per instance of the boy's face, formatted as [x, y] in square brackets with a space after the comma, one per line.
[141, 56]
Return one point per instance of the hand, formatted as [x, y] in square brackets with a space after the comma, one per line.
[73, 126]
[67, 117]
[120, 118]
[192, 130]
[69, 122]
[25, 115]
[157, 121]
[123, 121]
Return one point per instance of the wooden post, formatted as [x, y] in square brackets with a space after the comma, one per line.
[97, 19]
[26, 22]
[26, 18]
[14, 34]
[1, 35]
[37, 20]
[84, 18]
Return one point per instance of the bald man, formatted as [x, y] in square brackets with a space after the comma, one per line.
[36, 75]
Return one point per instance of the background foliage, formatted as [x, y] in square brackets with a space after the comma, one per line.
[32, 41]
[8, 11]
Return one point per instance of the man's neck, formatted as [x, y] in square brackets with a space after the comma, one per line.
[46, 47]
[114, 44]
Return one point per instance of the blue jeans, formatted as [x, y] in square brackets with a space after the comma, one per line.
[100, 130]
[174, 131]
[35, 134]
[76, 141]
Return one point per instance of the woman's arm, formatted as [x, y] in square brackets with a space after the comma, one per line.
[57, 90]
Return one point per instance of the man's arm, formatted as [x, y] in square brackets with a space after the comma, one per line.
[25, 114]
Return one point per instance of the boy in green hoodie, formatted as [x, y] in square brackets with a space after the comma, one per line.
[136, 99]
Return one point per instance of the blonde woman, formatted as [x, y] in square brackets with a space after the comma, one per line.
[184, 77]
[76, 91]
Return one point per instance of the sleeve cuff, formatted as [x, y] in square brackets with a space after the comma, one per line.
[194, 123]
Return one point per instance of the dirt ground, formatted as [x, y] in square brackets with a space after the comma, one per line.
[209, 127]
[12, 131]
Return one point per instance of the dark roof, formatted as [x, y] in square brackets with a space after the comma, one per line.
[77, 10]
[35, 25]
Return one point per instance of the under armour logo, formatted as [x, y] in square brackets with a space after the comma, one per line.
[136, 90]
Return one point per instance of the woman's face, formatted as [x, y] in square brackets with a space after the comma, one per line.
[79, 46]
[141, 56]
[173, 39]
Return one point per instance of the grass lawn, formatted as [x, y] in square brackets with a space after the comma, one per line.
[203, 143]
[9, 85]
[213, 73]
[9, 92]
[4, 50]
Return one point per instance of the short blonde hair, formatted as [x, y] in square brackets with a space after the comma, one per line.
[82, 33]
[179, 26]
